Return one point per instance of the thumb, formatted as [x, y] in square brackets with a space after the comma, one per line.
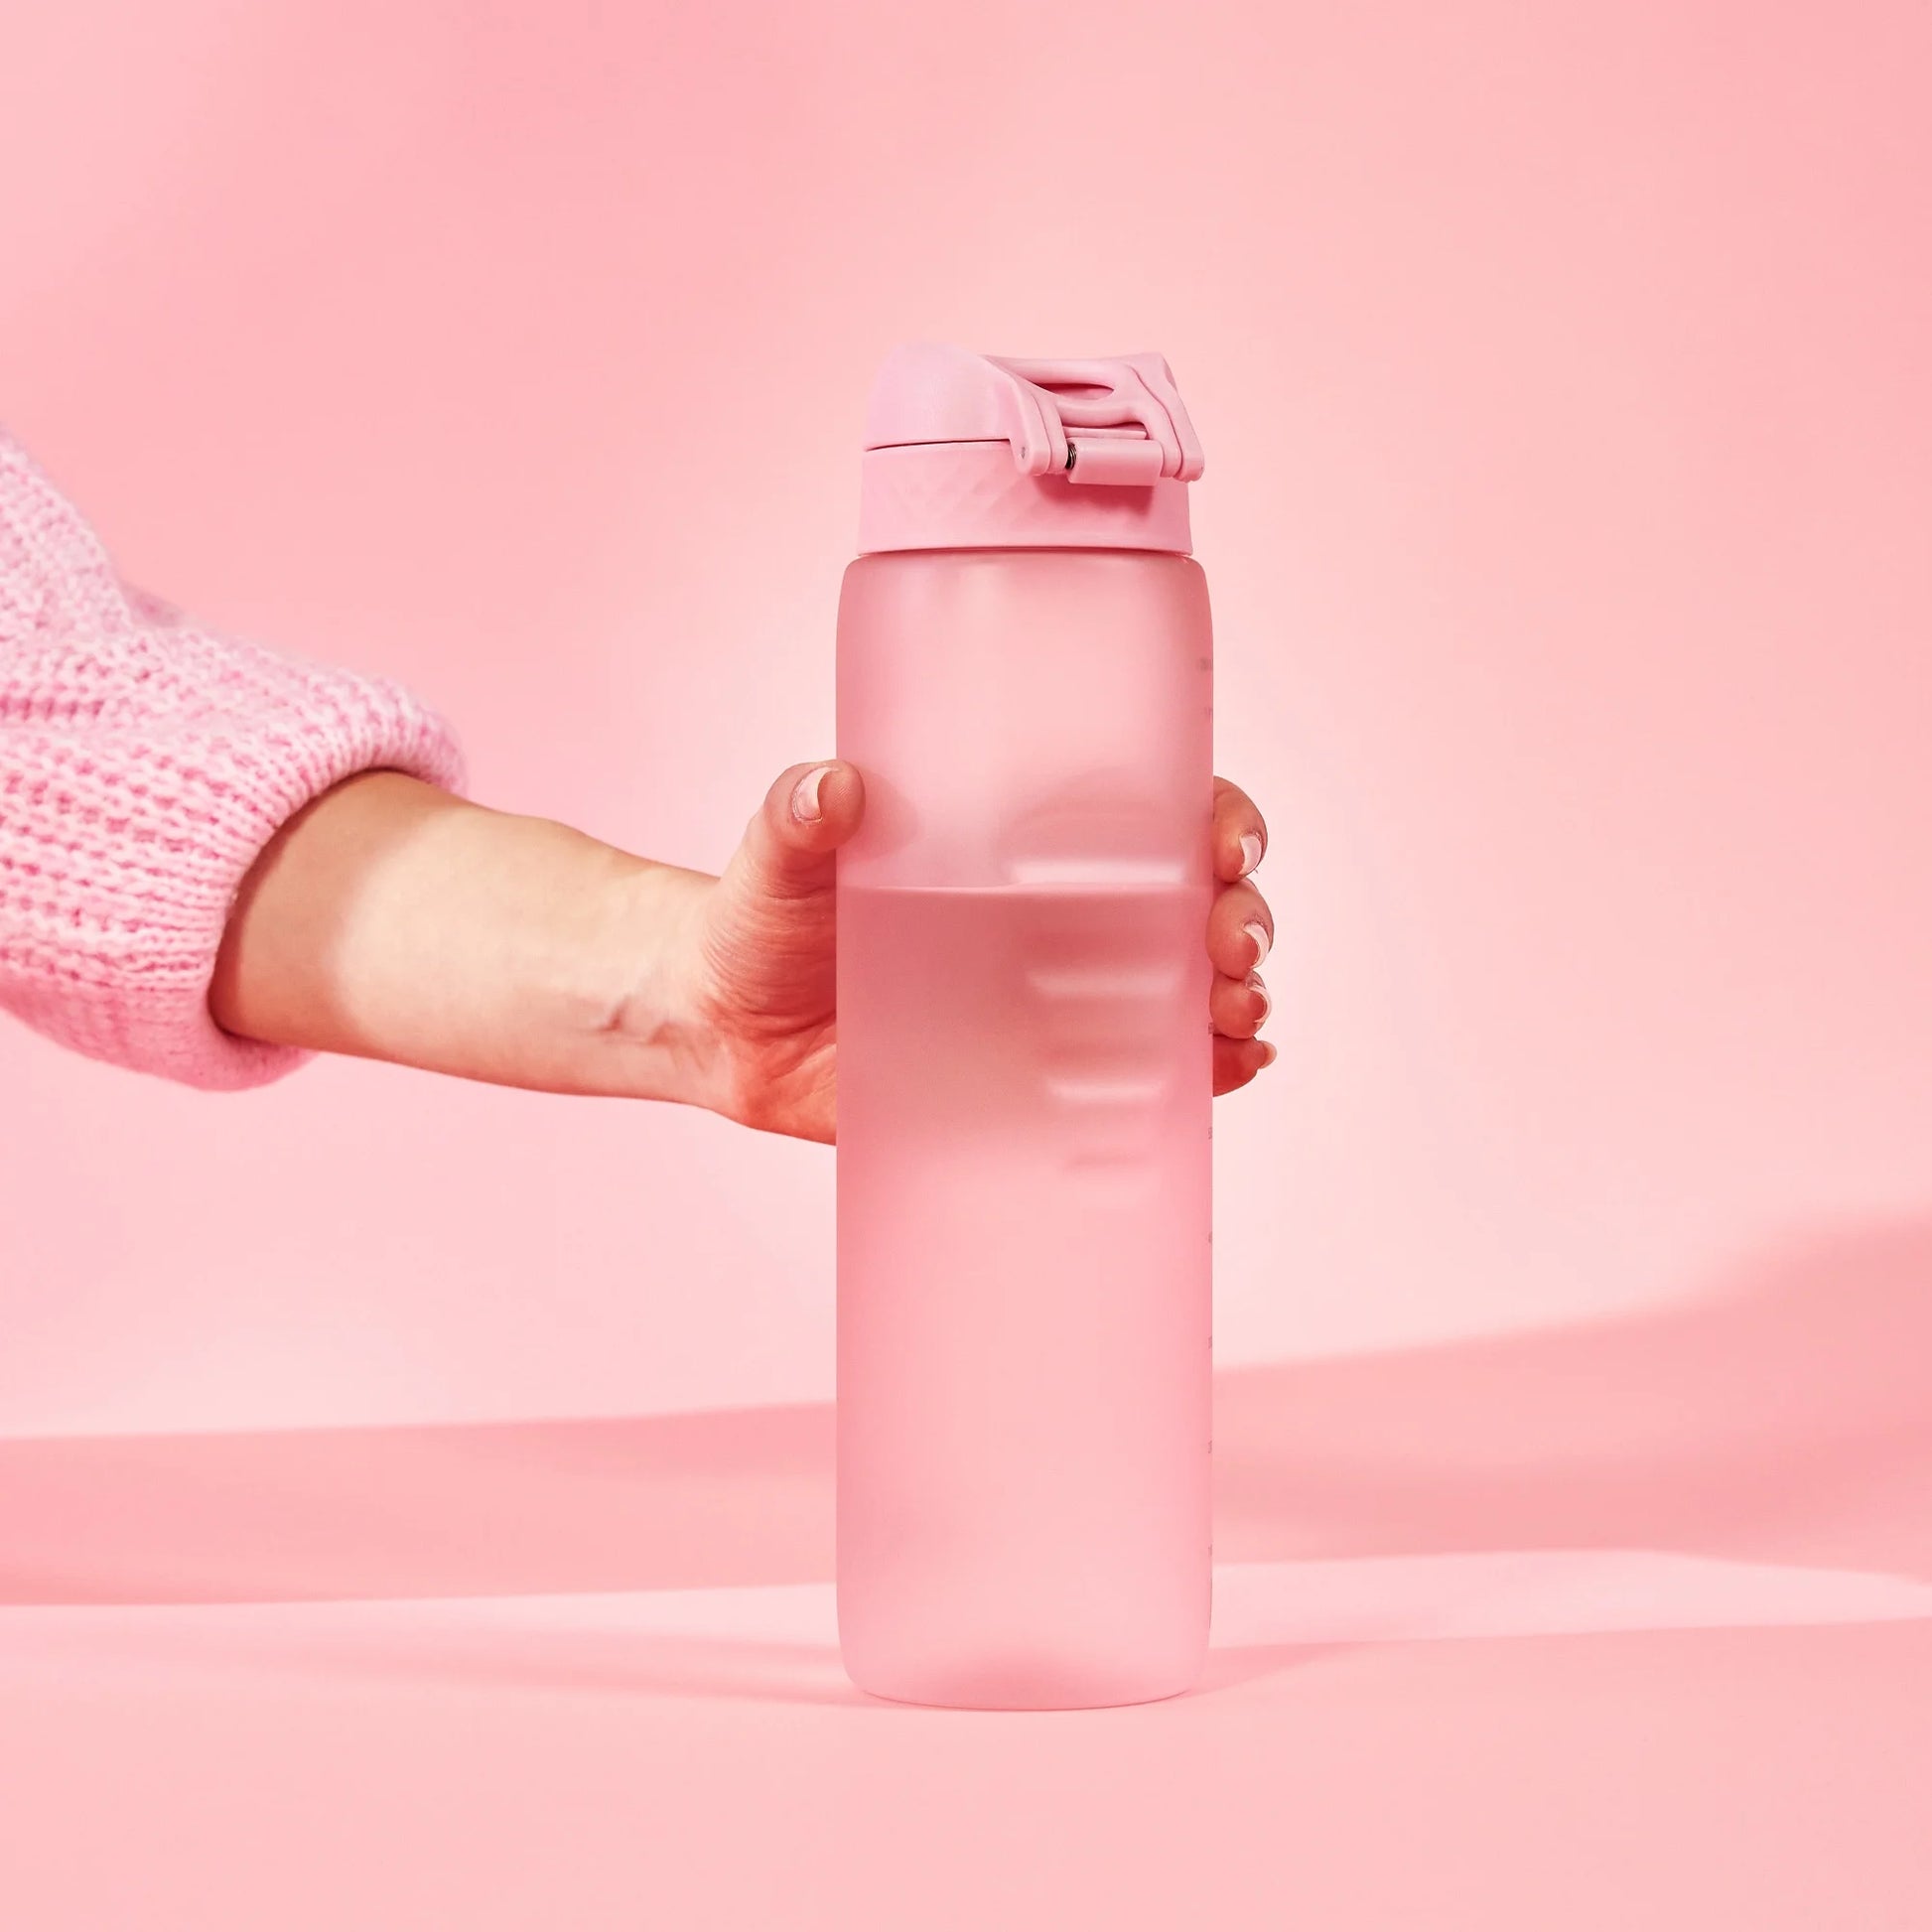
[809, 812]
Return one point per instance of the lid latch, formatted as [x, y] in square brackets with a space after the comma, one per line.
[1109, 420]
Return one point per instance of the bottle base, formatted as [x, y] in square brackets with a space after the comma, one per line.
[1011, 1684]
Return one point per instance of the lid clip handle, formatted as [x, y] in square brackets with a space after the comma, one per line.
[1106, 420]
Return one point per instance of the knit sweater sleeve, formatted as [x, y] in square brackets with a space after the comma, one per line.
[144, 764]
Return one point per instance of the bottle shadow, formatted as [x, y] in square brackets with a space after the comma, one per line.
[1785, 1416]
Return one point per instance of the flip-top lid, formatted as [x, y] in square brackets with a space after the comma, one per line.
[1110, 419]
[985, 452]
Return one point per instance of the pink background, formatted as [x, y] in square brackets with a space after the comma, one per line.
[1567, 396]
[1562, 375]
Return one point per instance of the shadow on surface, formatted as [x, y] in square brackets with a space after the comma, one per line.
[1787, 1416]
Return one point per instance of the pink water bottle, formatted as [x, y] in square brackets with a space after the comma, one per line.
[1024, 1074]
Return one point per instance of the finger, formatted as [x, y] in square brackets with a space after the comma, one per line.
[1240, 930]
[1237, 1061]
[809, 812]
[1237, 1008]
[1240, 835]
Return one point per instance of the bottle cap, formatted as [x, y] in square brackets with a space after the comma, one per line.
[977, 452]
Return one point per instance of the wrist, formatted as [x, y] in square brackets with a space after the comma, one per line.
[393, 921]
[637, 1009]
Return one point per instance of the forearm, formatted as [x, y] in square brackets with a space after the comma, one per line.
[392, 921]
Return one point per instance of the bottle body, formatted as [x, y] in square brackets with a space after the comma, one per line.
[1024, 1165]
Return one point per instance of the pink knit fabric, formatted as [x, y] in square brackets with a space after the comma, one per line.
[144, 764]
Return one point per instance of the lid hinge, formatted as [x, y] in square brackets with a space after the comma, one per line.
[1109, 457]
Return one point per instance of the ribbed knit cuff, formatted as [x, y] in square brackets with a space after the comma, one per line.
[135, 796]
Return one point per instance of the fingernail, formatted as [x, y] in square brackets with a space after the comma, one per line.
[1268, 1053]
[804, 795]
[1259, 934]
[1267, 1005]
[1250, 851]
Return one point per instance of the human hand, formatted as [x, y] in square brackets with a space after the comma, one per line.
[758, 969]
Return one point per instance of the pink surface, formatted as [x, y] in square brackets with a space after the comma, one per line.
[525, 1766]
[1564, 374]
[1623, 1627]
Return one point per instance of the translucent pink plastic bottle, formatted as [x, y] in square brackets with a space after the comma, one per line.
[1024, 1074]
